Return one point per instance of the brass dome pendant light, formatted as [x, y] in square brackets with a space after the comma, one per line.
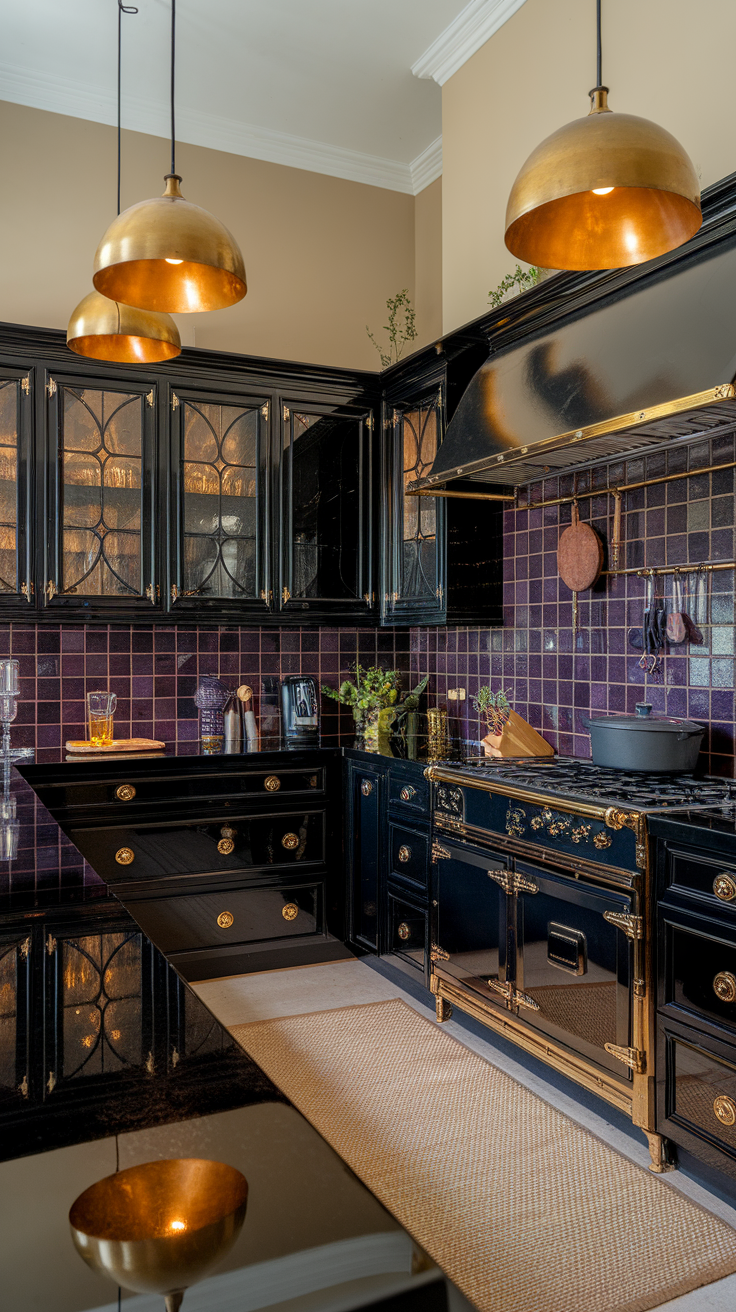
[603, 192]
[102, 329]
[168, 254]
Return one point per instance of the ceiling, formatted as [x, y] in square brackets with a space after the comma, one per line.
[325, 85]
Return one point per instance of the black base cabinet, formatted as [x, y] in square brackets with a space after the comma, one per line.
[387, 860]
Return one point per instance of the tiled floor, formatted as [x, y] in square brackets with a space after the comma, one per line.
[246, 998]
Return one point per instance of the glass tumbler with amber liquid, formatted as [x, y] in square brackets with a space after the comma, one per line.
[100, 711]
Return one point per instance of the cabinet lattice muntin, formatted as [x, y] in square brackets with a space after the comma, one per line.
[220, 496]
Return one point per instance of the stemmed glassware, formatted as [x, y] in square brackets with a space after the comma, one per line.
[9, 694]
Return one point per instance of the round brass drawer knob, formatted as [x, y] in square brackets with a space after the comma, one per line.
[125, 793]
[272, 783]
[124, 856]
[724, 886]
[403, 931]
[404, 853]
[407, 793]
[725, 1109]
[290, 842]
[225, 846]
[724, 986]
[225, 919]
[366, 788]
[290, 911]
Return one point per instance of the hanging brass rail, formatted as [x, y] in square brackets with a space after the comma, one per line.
[468, 496]
[626, 487]
[644, 571]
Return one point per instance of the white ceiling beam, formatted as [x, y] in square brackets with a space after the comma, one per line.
[476, 23]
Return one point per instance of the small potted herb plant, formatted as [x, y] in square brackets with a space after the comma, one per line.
[374, 701]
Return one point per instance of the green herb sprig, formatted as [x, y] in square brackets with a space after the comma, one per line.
[399, 332]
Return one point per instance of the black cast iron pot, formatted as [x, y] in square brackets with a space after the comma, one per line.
[644, 741]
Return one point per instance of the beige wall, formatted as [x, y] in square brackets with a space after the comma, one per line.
[321, 254]
[668, 60]
[428, 262]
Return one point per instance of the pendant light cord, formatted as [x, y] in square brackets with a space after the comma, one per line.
[599, 54]
[173, 65]
[122, 9]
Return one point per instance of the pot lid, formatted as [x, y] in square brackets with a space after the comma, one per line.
[643, 719]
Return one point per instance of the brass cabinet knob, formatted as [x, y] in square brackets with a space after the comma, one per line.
[290, 842]
[125, 792]
[366, 788]
[725, 1109]
[724, 886]
[225, 919]
[225, 846]
[403, 931]
[404, 853]
[290, 911]
[407, 793]
[272, 783]
[124, 856]
[724, 986]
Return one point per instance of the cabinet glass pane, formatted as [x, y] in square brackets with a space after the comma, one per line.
[418, 563]
[8, 1016]
[9, 398]
[326, 506]
[101, 1003]
[101, 490]
[219, 478]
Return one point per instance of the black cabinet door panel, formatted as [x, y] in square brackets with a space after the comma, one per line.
[699, 969]
[471, 921]
[696, 877]
[408, 931]
[365, 854]
[697, 1096]
[68, 800]
[409, 854]
[253, 915]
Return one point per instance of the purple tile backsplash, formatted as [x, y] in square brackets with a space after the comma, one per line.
[553, 681]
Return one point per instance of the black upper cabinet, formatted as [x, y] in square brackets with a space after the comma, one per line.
[16, 544]
[220, 457]
[414, 527]
[325, 493]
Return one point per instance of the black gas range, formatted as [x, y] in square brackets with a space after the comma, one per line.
[542, 906]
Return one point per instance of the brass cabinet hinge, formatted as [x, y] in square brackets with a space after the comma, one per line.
[631, 1057]
[287, 412]
[285, 595]
[512, 882]
[369, 597]
[51, 1082]
[153, 592]
[440, 853]
[51, 387]
[267, 596]
[174, 401]
[25, 947]
[27, 590]
[174, 592]
[436, 953]
[174, 1057]
[149, 397]
[51, 945]
[26, 384]
[50, 589]
[632, 926]
[150, 1067]
[264, 410]
[514, 997]
[369, 423]
[23, 1087]
[439, 595]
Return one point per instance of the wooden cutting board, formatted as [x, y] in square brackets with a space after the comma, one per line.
[579, 555]
[117, 745]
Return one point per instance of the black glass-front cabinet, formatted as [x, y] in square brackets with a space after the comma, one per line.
[230, 489]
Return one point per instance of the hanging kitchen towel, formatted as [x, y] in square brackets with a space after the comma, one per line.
[676, 630]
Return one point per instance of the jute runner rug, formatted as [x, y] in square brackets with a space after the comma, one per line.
[524, 1210]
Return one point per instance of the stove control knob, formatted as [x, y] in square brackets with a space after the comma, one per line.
[547, 815]
[724, 886]
[724, 986]
[725, 1109]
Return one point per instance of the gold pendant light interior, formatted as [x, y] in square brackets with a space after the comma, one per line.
[168, 254]
[603, 192]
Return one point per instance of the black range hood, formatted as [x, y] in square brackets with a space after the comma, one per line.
[656, 364]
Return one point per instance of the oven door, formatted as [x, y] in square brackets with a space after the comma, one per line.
[574, 966]
[470, 942]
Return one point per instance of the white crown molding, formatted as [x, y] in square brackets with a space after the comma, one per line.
[59, 96]
[474, 25]
[427, 166]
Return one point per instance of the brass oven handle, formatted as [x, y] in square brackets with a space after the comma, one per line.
[725, 1109]
[290, 911]
[403, 931]
[404, 853]
[225, 919]
[272, 783]
[407, 793]
[290, 842]
[124, 856]
[125, 792]
[366, 788]
[724, 886]
[724, 986]
[225, 846]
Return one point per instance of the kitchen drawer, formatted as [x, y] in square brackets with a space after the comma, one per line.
[211, 846]
[128, 791]
[407, 931]
[409, 854]
[699, 974]
[408, 795]
[700, 1094]
[710, 881]
[244, 915]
